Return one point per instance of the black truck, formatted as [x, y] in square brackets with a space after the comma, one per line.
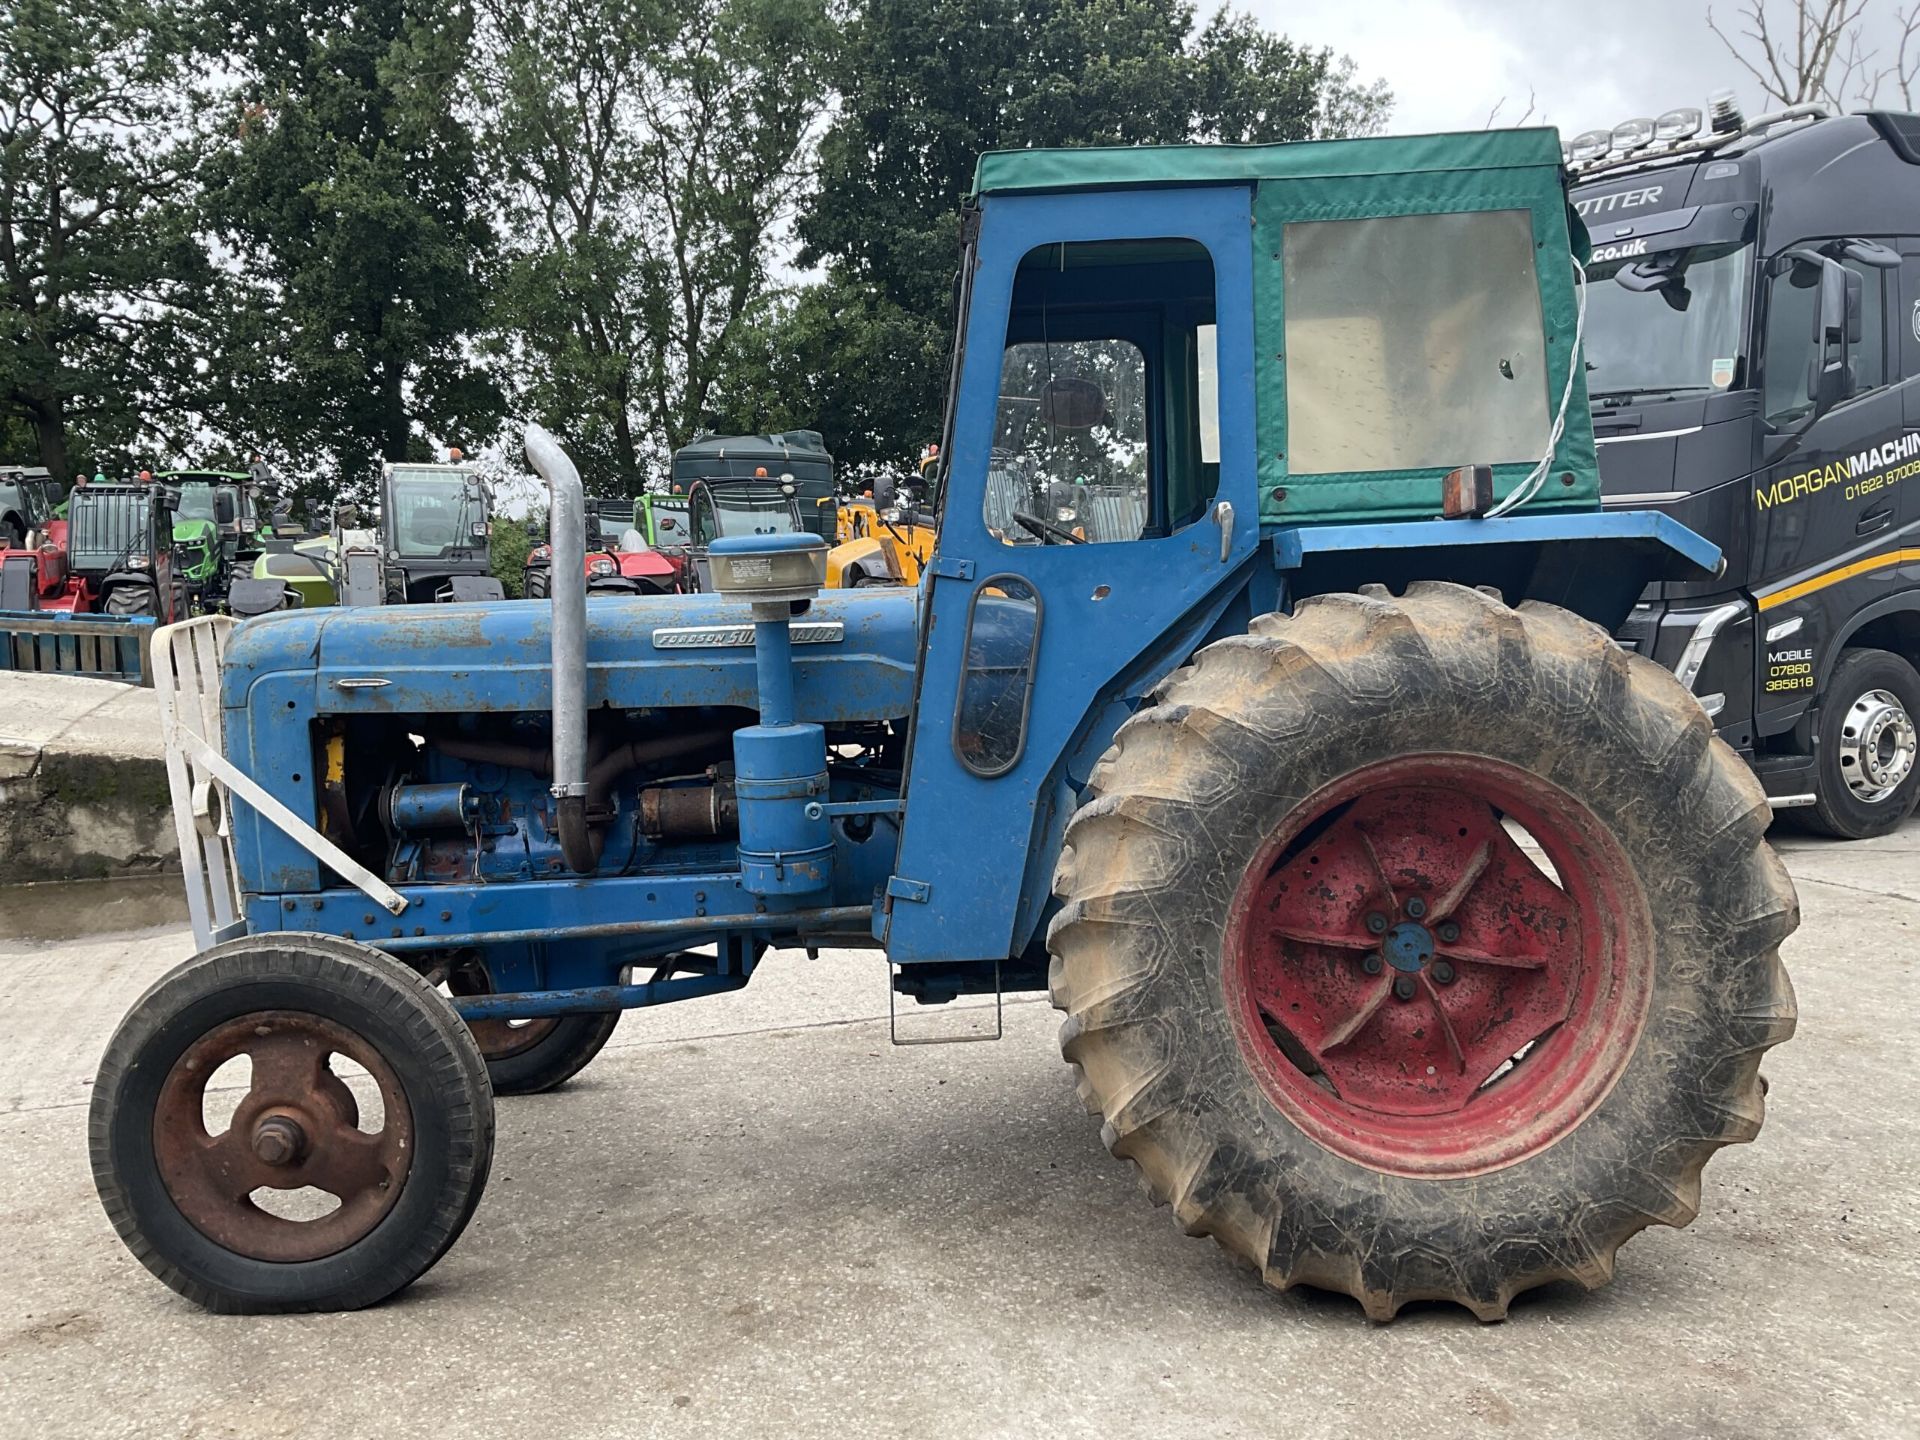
[1753, 368]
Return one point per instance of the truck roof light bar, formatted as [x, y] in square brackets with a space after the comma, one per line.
[1625, 150]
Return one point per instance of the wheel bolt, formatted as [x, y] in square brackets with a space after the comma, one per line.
[278, 1140]
[1403, 988]
[1376, 922]
[1372, 964]
[1416, 907]
[1448, 932]
[1442, 973]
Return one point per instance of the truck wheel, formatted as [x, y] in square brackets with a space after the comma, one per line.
[1864, 748]
[527, 1057]
[536, 586]
[1422, 948]
[129, 600]
[183, 1198]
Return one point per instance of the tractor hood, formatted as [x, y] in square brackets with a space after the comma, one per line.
[854, 656]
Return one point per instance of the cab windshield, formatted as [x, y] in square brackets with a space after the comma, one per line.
[435, 515]
[39, 504]
[1668, 322]
[196, 503]
[748, 510]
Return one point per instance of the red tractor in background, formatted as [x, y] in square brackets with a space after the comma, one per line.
[33, 541]
[619, 559]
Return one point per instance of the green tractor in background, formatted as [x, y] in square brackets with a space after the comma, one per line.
[431, 543]
[242, 538]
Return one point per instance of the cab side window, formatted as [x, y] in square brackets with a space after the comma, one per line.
[1907, 309]
[1793, 298]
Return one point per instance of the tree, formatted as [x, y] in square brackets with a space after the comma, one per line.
[350, 202]
[927, 86]
[652, 151]
[100, 273]
[1819, 51]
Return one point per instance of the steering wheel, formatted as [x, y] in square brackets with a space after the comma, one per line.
[1046, 531]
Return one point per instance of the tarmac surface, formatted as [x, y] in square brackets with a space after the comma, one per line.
[752, 1216]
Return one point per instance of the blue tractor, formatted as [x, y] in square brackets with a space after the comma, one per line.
[1414, 939]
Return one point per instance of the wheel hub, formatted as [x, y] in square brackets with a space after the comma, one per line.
[296, 1128]
[1877, 746]
[1414, 990]
[1409, 947]
[279, 1140]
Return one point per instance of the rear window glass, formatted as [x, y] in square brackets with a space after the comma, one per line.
[1413, 342]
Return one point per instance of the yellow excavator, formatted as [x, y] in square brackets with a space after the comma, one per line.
[885, 535]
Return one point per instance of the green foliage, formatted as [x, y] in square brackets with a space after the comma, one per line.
[350, 196]
[100, 266]
[339, 231]
[507, 549]
[649, 149]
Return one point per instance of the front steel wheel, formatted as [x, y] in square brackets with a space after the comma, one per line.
[238, 1162]
[1422, 948]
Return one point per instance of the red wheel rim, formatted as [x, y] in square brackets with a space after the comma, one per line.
[1414, 991]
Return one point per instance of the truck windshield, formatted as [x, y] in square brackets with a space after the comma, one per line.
[435, 514]
[1685, 336]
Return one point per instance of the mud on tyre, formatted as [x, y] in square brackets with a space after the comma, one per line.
[1346, 1019]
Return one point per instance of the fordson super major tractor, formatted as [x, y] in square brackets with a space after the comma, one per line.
[1414, 939]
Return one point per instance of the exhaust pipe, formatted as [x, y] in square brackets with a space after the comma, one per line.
[567, 530]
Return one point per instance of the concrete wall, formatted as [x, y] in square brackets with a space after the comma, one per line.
[83, 789]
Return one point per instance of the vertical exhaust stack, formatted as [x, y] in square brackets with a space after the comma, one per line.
[567, 527]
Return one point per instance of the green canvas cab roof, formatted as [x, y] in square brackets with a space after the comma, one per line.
[1120, 166]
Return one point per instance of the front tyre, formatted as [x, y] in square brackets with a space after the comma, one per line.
[1422, 948]
[130, 600]
[382, 1179]
[1865, 777]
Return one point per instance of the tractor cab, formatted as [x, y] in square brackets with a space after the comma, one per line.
[795, 457]
[120, 551]
[241, 532]
[207, 532]
[434, 529]
[27, 501]
[33, 567]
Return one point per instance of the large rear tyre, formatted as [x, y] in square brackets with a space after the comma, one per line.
[1422, 948]
[185, 1198]
[1865, 773]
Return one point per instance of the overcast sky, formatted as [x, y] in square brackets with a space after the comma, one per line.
[1589, 65]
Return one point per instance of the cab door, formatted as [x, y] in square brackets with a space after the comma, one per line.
[1830, 516]
[1100, 516]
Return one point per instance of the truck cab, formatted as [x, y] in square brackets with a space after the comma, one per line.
[1752, 346]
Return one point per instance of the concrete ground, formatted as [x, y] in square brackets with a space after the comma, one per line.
[753, 1217]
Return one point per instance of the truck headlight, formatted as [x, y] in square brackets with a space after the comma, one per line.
[602, 566]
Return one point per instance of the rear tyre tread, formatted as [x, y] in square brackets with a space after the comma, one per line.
[1151, 807]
